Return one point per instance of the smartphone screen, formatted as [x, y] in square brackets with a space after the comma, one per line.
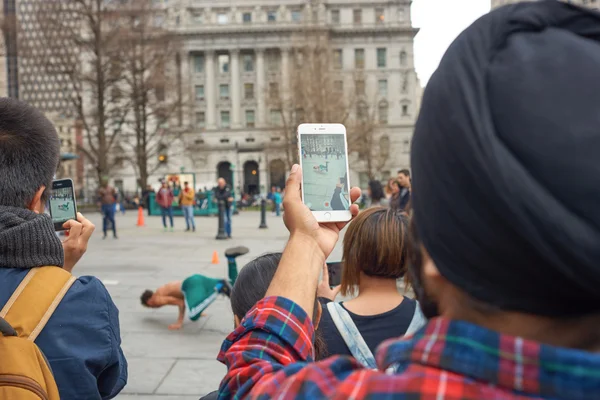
[61, 203]
[335, 273]
[324, 161]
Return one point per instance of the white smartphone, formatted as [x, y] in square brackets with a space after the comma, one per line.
[323, 152]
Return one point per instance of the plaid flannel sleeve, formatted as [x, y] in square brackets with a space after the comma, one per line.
[270, 354]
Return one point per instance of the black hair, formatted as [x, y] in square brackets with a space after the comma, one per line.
[186, 183]
[404, 172]
[376, 190]
[146, 296]
[251, 286]
[29, 153]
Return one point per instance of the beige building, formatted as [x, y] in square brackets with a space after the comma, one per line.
[588, 3]
[234, 50]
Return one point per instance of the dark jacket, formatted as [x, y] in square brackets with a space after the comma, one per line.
[223, 194]
[82, 338]
[399, 201]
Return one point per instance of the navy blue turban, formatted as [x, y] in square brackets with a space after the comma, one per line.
[506, 160]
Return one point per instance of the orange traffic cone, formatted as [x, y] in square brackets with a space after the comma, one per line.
[141, 217]
[215, 257]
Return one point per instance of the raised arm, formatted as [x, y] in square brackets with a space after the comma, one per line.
[267, 354]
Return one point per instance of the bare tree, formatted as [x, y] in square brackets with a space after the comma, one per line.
[81, 41]
[152, 85]
[320, 91]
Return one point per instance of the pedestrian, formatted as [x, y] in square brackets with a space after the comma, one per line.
[187, 199]
[375, 257]
[222, 193]
[72, 320]
[277, 200]
[505, 259]
[405, 188]
[376, 195]
[164, 198]
[107, 198]
[271, 198]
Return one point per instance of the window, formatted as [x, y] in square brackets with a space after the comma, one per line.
[199, 92]
[198, 19]
[360, 87]
[200, 119]
[337, 59]
[248, 91]
[296, 15]
[404, 110]
[382, 87]
[271, 16]
[383, 113]
[335, 16]
[275, 117]
[406, 146]
[384, 147]
[359, 58]
[247, 17]
[199, 63]
[273, 90]
[403, 58]
[250, 140]
[250, 118]
[381, 58]
[361, 111]
[338, 86]
[224, 119]
[379, 16]
[222, 18]
[224, 140]
[224, 91]
[248, 61]
[357, 16]
[159, 92]
[223, 63]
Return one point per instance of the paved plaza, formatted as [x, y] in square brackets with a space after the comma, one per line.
[163, 364]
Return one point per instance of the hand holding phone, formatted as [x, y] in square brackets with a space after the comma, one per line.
[327, 288]
[61, 203]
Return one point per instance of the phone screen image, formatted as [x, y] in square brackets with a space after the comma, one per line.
[62, 205]
[325, 177]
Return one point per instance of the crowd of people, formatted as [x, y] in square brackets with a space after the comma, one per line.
[495, 233]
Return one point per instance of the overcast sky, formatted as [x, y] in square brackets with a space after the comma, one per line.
[440, 22]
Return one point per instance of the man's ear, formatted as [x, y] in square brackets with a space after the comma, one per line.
[236, 321]
[37, 205]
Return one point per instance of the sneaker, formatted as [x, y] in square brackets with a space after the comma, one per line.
[172, 229]
[226, 289]
[165, 229]
[187, 230]
[194, 230]
[236, 251]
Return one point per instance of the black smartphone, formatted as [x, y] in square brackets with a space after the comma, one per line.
[61, 203]
[335, 273]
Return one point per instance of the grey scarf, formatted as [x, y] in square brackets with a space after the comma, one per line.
[28, 239]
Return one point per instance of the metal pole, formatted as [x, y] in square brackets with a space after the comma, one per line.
[263, 214]
[221, 233]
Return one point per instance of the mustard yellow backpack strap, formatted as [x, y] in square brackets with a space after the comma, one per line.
[35, 299]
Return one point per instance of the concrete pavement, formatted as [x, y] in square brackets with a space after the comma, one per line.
[163, 364]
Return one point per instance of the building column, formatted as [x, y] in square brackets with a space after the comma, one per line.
[186, 85]
[260, 88]
[210, 90]
[285, 72]
[235, 89]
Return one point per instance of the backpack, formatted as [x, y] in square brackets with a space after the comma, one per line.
[354, 340]
[25, 373]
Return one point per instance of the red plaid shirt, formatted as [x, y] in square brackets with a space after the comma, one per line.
[270, 356]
